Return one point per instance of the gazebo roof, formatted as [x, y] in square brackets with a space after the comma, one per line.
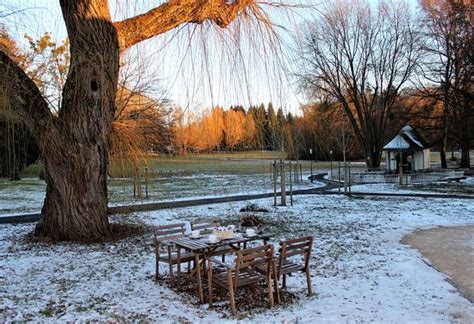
[407, 139]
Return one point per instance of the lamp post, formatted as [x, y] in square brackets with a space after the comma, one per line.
[311, 162]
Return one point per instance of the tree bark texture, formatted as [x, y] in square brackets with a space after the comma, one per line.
[76, 165]
[75, 142]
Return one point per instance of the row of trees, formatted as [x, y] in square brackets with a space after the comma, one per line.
[365, 57]
[257, 127]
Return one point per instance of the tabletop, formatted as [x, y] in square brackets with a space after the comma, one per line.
[202, 243]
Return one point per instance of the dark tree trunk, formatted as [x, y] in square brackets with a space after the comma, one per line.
[444, 145]
[465, 158]
[76, 165]
[75, 207]
[375, 159]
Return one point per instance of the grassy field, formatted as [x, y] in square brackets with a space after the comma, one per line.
[173, 177]
[191, 164]
[167, 178]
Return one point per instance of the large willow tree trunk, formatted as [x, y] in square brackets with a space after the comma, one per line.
[75, 143]
[76, 165]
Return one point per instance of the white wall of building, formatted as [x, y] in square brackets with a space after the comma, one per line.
[419, 161]
[427, 158]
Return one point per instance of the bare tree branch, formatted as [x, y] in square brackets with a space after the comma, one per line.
[174, 13]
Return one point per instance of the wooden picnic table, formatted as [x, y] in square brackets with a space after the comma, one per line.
[203, 250]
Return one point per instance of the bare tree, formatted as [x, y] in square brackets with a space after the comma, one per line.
[75, 141]
[362, 55]
[448, 69]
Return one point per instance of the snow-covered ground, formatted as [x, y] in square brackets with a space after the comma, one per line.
[468, 181]
[27, 195]
[434, 188]
[387, 188]
[361, 272]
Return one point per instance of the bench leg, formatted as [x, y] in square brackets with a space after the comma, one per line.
[157, 272]
[178, 272]
[171, 267]
[308, 281]
[269, 285]
[231, 293]
[275, 281]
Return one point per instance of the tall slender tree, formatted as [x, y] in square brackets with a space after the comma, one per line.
[75, 141]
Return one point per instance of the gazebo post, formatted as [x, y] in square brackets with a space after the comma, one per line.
[400, 169]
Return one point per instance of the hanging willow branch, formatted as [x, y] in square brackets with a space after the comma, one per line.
[26, 99]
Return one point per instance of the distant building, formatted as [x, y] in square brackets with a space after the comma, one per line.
[409, 148]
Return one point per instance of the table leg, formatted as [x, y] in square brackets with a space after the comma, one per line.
[178, 276]
[209, 283]
[170, 266]
[199, 281]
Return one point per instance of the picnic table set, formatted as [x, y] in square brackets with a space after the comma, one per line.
[200, 256]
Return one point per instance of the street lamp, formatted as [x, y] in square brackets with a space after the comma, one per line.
[311, 159]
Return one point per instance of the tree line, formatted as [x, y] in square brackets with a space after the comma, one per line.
[368, 58]
[257, 127]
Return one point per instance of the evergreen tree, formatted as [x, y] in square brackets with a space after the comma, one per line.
[281, 123]
[272, 126]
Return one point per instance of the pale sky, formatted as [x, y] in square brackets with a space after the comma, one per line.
[226, 75]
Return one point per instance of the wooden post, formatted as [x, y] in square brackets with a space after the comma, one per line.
[345, 178]
[301, 172]
[297, 176]
[291, 182]
[137, 183]
[400, 169]
[339, 178]
[146, 182]
[274, 183]
[350, 178]
[134, 186]
[283, 183]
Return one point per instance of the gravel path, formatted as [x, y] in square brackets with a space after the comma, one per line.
[450, 250]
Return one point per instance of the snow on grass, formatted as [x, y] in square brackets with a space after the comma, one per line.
[27, 195]
[360, 270]
[433, 188]
[468, 181]
[385, 188]
[24, 196]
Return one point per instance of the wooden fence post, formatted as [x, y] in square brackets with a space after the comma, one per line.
[274, 172]
[301, 172]
[146, 182]
[291, 181]
[283, 183]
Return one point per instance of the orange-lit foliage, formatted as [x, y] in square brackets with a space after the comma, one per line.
[216, 129]
[234, 130]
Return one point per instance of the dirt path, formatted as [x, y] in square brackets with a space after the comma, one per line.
[450, 250]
